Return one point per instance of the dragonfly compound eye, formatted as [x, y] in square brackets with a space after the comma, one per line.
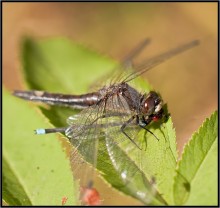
[152, 104]
[148, 106]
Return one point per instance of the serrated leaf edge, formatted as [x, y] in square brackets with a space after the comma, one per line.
[192, 138]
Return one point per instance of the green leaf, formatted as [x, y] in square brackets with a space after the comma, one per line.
[160, 158]
[196, 179]
[59, 65]
[36, 170]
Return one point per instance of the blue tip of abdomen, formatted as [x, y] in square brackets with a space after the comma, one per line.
[40, 131]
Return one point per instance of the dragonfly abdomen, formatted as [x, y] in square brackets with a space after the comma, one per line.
[74, 101]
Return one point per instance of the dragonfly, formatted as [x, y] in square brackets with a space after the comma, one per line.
[109, 116]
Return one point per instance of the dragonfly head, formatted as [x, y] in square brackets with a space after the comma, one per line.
[151, 107]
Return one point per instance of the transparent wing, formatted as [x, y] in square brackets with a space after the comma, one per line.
[158, 59]
[125, 64]
[132, 71]
[118, 146]
[84, 132]
[86, 128]
[98, 130]
[128, 59]
[133, 178]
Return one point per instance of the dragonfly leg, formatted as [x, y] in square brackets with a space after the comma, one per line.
[149, 132]
[145, 140]
[123, 131]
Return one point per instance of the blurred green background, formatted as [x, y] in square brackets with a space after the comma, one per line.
[188, 82]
